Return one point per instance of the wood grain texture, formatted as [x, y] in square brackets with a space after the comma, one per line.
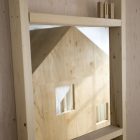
[133, 63]
[118, 70]
[66, 7]
[74, 59]
[86, 8]
[8, 129]
[50, 19]
[133, 68]
[21, 55]
[116, 76]
[47, 40]
[106, 133]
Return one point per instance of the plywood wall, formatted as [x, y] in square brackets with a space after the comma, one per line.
[7, 110]
[133, 49]
[76, 60]
[133, 68]
[67, 7]
[7, 104]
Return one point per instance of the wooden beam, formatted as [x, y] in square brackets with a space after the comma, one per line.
[40, 18]
[22, 68]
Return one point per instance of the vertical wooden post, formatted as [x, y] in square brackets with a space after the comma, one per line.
[22, 68]
[118, 70]
[123, 32]
[111, 10]
[100, 7]
[106, 9]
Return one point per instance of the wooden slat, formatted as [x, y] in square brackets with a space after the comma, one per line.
[106, 133]
[123, 31]
[116, 76]
[42, 18]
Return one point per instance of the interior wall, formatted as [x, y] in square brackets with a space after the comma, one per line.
[67, 7]
[132, 42]
[7, 104]
[133, 68]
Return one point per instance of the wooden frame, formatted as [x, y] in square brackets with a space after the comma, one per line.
[19, 22]
[40, 18]
[22, 68]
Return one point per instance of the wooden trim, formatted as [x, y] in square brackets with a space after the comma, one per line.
[118, 71]
[106, 133]
[22, 68]
[41, 18]
[116, 76]
[123, 32]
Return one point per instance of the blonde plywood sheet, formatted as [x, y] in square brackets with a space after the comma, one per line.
[71, 65]
[133, 68]
[74, 60]
[66, 7]
[45, 39]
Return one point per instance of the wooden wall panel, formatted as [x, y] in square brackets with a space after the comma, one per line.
[7, 127]
[7, 103]
[133, 68]
[67, 7]
[73, 60]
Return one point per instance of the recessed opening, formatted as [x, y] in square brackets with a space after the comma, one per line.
[73, 63]
[64, 99]
[102, 113]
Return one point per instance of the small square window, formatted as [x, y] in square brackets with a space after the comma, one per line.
[64, 99]
[102, 112]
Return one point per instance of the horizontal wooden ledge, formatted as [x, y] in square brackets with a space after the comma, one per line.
[106, 133]
[50, 19]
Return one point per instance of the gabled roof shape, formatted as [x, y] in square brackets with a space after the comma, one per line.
[65, 53]
[43, 41]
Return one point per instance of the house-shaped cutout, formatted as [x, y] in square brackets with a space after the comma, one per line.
[64, 56]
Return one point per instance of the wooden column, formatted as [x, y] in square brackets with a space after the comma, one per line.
[22, 68]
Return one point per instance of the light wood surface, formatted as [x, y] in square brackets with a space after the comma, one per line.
[84, 8]
[116, 76]
[111, 10]
[8, 129]
[74, 60]
[20, 35]
[22, 68]
[106, 9]
[118, 71]
[107, 133]
[66, 7]
[43, 18]
[124, 69]
[100, 9]
[47, 40]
